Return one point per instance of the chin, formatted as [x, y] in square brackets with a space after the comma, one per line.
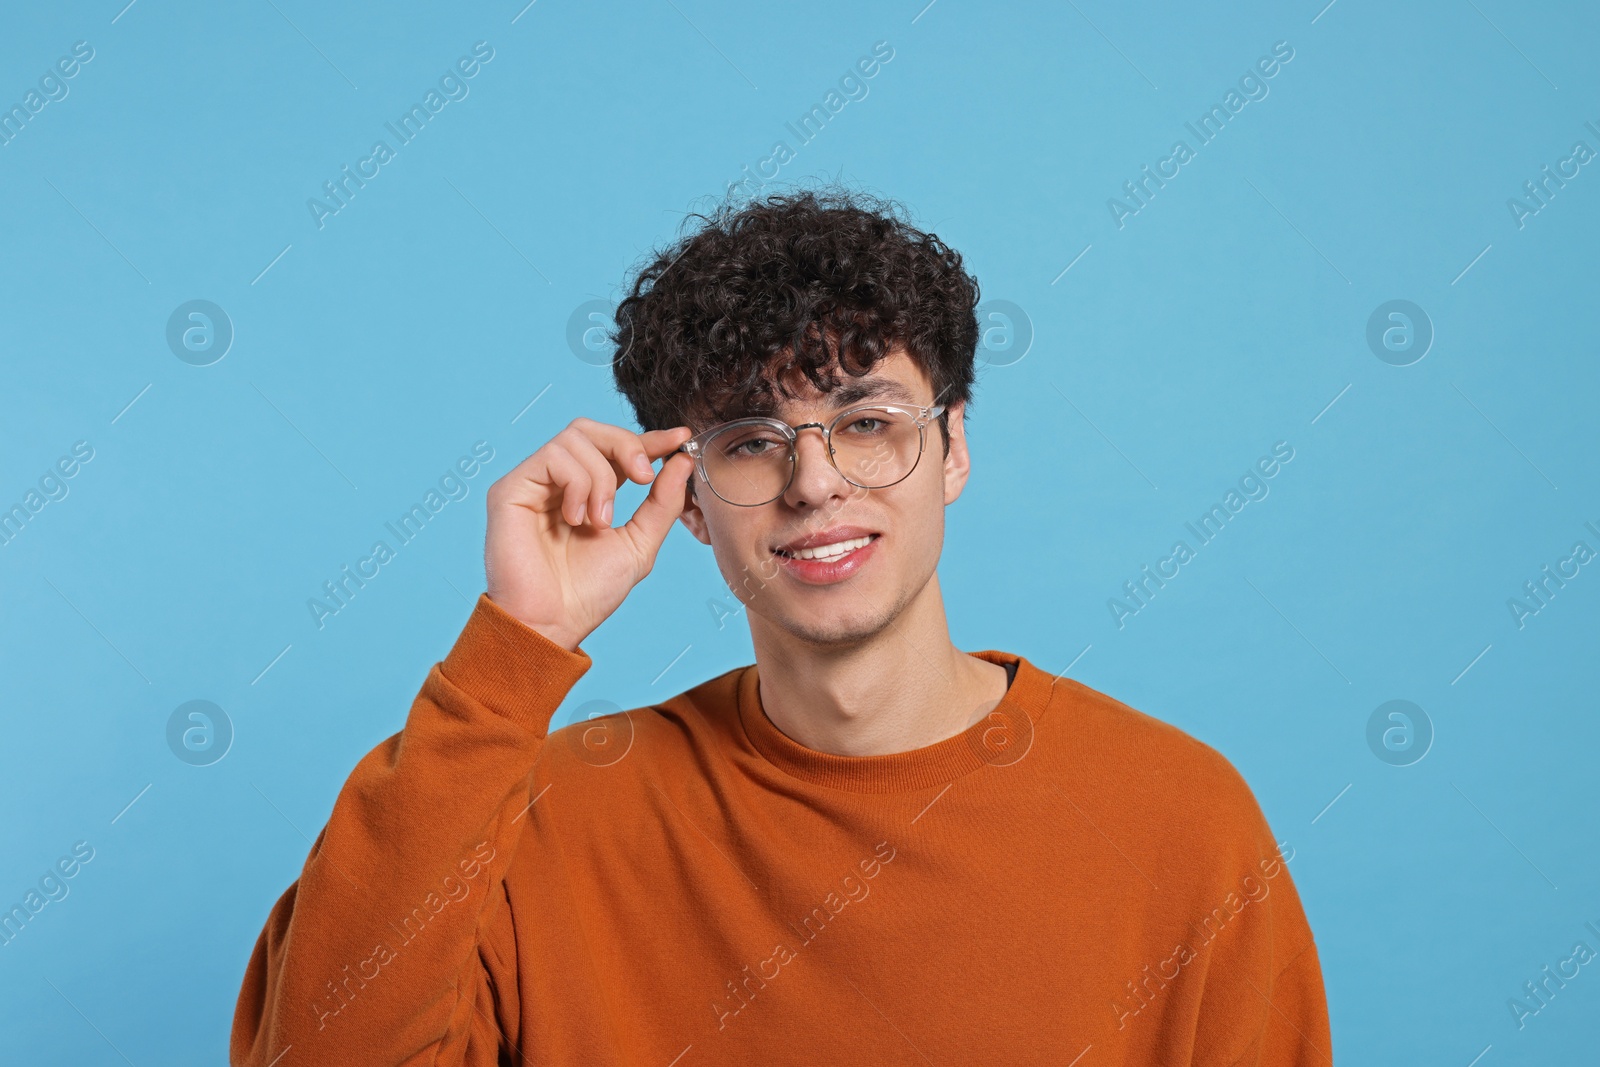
[834, 633]
[848, 620]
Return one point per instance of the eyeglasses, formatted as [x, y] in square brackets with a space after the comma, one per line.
[750, 462]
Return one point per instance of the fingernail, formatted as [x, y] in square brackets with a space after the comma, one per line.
[605, 513]
[582, 511]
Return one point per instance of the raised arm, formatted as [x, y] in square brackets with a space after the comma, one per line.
[392, 946]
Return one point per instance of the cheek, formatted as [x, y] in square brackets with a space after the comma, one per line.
[927, 539]
[916, 516]
[736, 543]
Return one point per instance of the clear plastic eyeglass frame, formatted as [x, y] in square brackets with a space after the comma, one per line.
[921, 416]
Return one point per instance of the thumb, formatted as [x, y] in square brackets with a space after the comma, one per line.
[653, 518]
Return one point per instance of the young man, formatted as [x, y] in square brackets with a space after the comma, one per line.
[869, 846]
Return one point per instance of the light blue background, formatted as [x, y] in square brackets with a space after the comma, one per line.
[427, 314]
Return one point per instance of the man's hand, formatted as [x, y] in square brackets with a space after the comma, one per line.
[552, 557]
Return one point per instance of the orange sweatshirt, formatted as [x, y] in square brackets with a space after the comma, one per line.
[1067, 882]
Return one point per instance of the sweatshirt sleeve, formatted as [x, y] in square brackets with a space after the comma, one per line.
[391, 945]
[1264, 1003]
[1296, 1032]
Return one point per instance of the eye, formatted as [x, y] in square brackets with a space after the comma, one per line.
[866, 426]
[753, 445]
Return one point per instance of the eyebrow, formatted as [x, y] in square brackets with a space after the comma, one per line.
[850, 392]
[870, 389]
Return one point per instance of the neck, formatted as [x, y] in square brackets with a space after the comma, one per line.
[903, 688]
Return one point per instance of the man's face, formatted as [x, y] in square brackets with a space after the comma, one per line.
[848, 599]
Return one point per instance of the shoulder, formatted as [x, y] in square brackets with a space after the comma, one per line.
[1147, 762]
[606, 735]
[1175, 805]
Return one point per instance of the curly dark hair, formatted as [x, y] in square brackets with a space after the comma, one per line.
[802, 281]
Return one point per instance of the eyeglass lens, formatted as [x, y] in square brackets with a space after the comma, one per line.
[750, 463]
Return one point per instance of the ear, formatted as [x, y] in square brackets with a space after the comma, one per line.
[957, 463]
[693, 519]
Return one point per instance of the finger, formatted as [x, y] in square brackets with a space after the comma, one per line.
[631, 455]
[570, 476]
[532, 482]
[662, 442]
[602, 479]
[653, 519]
[534, 470]
[654, 445]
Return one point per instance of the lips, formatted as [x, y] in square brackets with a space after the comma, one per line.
[830, 552]
[841, 560]
[829, 544]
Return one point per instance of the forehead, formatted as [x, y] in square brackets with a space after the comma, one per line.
[895, 378]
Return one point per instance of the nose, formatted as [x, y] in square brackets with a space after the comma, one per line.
[816, 479]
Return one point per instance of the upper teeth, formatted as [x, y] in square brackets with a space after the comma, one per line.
[838, 548]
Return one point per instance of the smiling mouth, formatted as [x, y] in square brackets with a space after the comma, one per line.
[828, 552]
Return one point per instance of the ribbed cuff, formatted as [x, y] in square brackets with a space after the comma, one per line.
[511, 668]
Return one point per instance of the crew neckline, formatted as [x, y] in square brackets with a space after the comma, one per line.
[988, 741]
